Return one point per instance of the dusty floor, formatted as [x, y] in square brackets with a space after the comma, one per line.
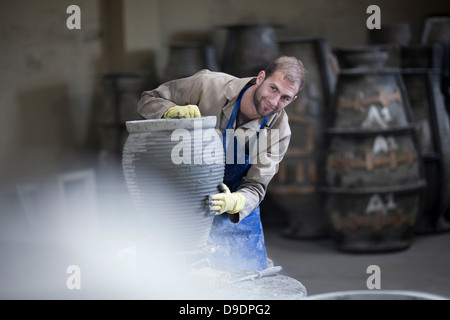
[424, 266]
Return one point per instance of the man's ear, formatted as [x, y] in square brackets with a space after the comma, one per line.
[293, 99]
[260, 78]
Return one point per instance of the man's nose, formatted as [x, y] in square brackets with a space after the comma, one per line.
[274, 100]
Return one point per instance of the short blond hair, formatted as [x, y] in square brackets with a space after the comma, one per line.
[292, 67]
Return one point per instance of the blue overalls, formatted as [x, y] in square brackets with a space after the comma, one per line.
[241, 244]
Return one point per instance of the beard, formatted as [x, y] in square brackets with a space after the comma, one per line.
[259, 101]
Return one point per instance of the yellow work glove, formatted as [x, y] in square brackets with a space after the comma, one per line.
[230, 202]
[189, 111]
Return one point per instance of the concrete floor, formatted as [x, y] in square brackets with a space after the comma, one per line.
[423, 267]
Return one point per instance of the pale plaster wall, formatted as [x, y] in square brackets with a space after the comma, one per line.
[47, 85]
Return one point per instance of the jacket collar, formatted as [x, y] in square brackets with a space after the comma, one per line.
[235, 87]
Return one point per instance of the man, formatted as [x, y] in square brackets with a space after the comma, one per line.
[252, 106]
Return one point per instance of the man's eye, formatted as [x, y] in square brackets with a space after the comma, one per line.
[274, 89]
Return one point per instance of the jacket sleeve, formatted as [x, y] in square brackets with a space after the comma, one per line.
[153, 104]
[265, 165]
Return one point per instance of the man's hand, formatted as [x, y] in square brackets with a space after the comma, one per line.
[230, 202]
[189, 111]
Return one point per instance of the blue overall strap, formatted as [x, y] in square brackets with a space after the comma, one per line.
[233, 116]
[236, 108]
[263, 124]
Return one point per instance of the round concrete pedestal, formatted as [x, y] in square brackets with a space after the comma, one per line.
[277, 287]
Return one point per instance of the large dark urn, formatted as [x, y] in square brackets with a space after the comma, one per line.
[373, 171]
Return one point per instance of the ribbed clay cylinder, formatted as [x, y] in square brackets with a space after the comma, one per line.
[171, 166]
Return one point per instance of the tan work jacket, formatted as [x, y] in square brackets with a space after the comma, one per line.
[215, 94]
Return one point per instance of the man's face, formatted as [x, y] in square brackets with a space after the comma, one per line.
[274, 93]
